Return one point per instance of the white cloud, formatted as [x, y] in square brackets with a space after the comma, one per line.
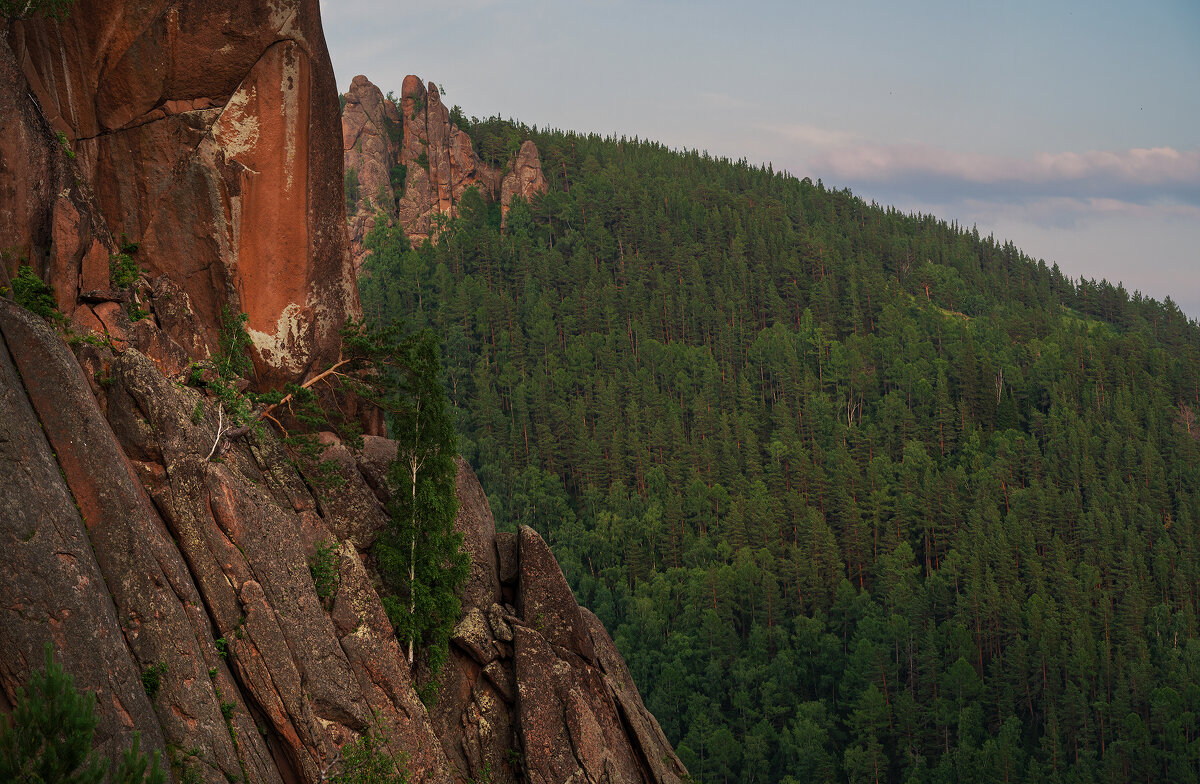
[811, 135]
[1095, 173]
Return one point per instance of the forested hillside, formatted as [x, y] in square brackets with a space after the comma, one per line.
[862, 495]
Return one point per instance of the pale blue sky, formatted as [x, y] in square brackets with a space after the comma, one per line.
[1071, 128]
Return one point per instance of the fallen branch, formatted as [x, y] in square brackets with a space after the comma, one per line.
[220, 432]
[287, 398]
[278, 424]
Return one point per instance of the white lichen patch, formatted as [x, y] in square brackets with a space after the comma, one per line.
[289, 90]
[237, 130]
[287, 347]
[284, 19]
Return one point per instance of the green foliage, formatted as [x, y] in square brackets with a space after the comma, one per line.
[66, 145]
[134, 767]
[324, 569]
[495, 140]
[419, 554]
[858, 492]
[24, 9]
[222, 645]
[136, 312]
[353, 190]
[423, 159]
[47, 739]
[397, 176]
[372, 759]
[198, 412]
[152, 678]
[122, 270]
[32, 294]
[48, 736]
[232, 359]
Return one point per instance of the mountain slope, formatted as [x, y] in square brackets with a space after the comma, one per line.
[864, 495]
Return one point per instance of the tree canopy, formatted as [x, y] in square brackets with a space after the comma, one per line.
[862, 495]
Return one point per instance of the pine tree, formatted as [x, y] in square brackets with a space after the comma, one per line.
[48, 737]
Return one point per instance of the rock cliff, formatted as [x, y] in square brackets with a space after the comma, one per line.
[206, 133]
[412, 164]
[208, 138]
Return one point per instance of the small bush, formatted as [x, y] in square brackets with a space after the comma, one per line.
[66, 145]
[122, 270]
[152, 679]
[397, 177]
[370, 760]
[232, 344]
[353, 191]
[323, 567]
[31, 293]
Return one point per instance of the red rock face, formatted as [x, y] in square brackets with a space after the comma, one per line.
[439, 158]
[208, 133]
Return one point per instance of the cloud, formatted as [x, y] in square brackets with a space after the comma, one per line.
[1066, 212]
[812, 135]
[1097, 177]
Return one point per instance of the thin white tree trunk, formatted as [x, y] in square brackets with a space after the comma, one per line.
[414, 464]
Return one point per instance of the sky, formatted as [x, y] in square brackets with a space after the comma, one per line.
[1070, 128]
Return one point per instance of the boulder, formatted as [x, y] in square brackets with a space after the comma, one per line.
[475, 522]
[545, 601]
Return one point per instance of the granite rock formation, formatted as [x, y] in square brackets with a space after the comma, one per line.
[437, 158]
[371, 133]
[204, 132]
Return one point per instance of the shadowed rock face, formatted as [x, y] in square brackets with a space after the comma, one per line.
[439, 160]
[542, 677]
[208, 133]
[169, 559]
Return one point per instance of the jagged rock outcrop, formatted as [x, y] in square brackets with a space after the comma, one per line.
[438, 159]
[524, 179]
[371, 133]
[205, 132]
[206, 135]
[532, 670]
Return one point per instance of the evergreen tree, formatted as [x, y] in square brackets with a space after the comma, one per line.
[419, 553]
[47, 739]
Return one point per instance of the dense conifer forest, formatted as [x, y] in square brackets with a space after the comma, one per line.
[862, 495]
